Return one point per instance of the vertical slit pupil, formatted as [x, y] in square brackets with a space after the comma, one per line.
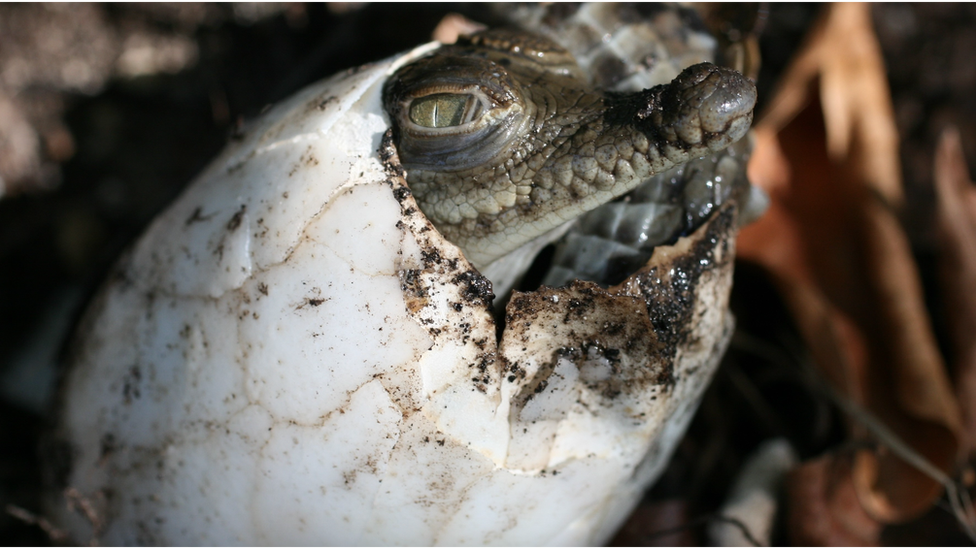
[444, 110]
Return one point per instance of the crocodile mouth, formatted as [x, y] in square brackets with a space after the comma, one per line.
[611, 243]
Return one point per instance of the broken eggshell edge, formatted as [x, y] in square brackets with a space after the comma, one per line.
[293, 355]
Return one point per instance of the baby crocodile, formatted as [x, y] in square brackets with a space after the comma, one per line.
[504, 140]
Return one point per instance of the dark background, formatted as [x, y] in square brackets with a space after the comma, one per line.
[107, 111]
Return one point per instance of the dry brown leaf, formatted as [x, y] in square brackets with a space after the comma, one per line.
[827, 154]
[957, 265]
[843, 59]
[823, 507]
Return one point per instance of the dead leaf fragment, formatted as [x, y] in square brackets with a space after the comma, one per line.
[842, 61]
[453, 26]
[823, 507]
[957, 268]
[841, 259]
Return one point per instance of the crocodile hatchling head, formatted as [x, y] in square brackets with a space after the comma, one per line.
[503, 139]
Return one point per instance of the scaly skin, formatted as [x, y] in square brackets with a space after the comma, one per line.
[548, 148]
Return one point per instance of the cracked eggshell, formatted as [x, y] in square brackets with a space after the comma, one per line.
[293, 355]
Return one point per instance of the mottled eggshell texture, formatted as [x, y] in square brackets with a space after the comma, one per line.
[293, 355]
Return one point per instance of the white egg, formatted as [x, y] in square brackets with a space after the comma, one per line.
[293, 355]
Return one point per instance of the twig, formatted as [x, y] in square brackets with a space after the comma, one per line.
[77, 501]
[55, 534]
[694, 523]
[959, 500]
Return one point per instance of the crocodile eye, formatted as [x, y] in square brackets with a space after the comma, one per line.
[444, 110]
